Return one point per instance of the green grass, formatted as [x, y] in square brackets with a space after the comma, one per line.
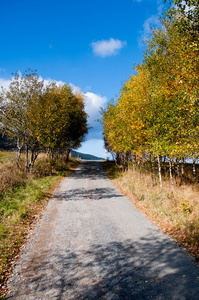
[22, 198]
[6, 156]
[112, 170]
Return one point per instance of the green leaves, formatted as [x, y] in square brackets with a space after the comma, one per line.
[42, 118]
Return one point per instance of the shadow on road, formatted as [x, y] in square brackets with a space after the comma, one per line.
[146, 269]
[92, 194]
[93, 170]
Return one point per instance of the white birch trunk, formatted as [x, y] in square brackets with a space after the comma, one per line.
[27, 164]
[194, 170]
[159, 171]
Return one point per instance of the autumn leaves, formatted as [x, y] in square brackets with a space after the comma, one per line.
[42, 118]
[157, 112]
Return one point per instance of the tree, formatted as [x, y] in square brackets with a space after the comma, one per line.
[61, 122]
[24, 90]
[42, 118]
[185, 14]
[157, 113]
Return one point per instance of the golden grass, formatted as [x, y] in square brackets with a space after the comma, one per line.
[175, 210]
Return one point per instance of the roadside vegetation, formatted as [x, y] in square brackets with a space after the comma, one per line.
[42, 123]
[175, 210]
[156, 116]
[22, 198]
[152, 128]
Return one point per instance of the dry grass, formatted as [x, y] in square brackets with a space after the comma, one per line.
[22, 198]
[11, 176]
[175, 210]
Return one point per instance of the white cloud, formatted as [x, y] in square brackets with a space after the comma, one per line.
[49, 81]
[109, 47]
[75, 89]
[5, 83]
[151, 22]
[93, 102]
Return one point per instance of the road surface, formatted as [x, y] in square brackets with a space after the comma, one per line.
[91, 243]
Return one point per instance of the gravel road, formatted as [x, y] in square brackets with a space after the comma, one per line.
[91, 243]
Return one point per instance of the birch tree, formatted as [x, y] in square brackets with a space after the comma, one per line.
[41, 118]
[24, 90]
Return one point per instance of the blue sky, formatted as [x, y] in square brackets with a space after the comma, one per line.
[89, 44]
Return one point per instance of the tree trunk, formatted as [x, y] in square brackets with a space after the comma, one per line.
[194, 169]
[177, 167]
[170, 173]
[126, 160]
[52, 154]
[123, 162]
[27, 164]
[18, 157]
[182, 169]
[118, 159]
[160, 171]
[33, 158]
[67, 154]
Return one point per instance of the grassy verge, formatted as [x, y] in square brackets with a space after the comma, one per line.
[22, 198]
[175, 211]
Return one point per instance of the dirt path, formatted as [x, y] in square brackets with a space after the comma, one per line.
[91, 243]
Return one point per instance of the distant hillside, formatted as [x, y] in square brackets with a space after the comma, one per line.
[80, 155]
[6, 144]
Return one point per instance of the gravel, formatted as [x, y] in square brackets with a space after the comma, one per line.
[92, 243]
